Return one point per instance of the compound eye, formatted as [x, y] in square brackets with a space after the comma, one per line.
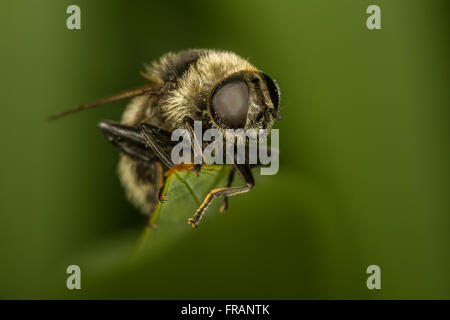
[230, 103]
[273, 90]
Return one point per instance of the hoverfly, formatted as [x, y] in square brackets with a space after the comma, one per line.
[217, 88]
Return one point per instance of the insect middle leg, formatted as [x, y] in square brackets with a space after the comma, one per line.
[144, 143]
[245, 172]
[157, 143]
[224, 207]
[195, 144]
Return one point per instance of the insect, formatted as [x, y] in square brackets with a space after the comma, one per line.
[218, 88]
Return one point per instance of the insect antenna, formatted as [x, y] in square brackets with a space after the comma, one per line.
[149, 90]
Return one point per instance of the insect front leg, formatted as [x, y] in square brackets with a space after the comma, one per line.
[195, 144]
[146, 142]
[229, 183]
[158, 141]
[245, 172]
[127, 140]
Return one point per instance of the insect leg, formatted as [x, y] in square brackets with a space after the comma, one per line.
[159, 177]
[246, 173]
[158, 141]
[161, 196]
[147, 143]
[127, 140]
[195, 144]
[225, 198]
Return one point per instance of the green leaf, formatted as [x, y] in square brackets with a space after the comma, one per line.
[168, 225]
[185, 192]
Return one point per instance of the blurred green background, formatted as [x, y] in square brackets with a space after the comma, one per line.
[364, 175]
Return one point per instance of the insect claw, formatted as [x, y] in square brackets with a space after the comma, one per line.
[162, 198]
[192, 222]
[196, 219]
[197, 169]
[224, 206]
